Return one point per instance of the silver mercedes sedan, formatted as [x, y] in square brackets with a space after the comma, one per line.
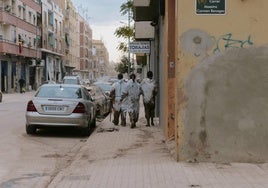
[61, 105]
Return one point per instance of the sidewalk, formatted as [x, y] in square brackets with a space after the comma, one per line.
[12, 97]
[120, 157]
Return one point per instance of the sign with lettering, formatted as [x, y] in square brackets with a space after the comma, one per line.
[139, 47]
[210, 7]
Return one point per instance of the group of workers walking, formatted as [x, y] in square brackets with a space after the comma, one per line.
[126, 99]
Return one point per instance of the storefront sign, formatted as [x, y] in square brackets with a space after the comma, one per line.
[139, 47]
[210, 7]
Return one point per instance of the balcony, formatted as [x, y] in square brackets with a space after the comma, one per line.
[34, 5]
[142, 12]
[141, 3]
[7, 47]
[9, 19]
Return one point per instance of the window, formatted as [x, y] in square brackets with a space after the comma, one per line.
[24, 13]
[67, 40]
[60, 28]
[30, 16]
[34, 20]
[56, 44]
[29, 42]
[45, 40]
[50, 18]
[45, 19]
[19, 10]
[51, 39]
[56, 26]
[86, 64]
[59, 46]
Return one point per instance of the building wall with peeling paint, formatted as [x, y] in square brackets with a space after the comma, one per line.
[222, 83]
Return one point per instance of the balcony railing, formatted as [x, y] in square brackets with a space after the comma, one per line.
[9, 47]
[8, 18]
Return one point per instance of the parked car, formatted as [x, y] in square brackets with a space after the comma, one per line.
[49, 82]
[113, 80]
[105, 86]
[100, 99]
[61, 105]
[71, 80]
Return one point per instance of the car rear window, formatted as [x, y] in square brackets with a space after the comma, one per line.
[71, 80]
[105, 87]
[60, 92]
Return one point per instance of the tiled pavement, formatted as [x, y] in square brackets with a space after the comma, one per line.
[120, 157]
[139, 158]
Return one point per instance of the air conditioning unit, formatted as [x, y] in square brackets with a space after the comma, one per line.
[42, 63]
[33, 63]
[7, 8]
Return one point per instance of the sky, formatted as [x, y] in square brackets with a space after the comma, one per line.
[103, 17]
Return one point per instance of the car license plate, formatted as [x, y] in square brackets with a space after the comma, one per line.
[54, 108]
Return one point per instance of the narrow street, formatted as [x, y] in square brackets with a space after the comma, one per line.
[110, 157]
[32, 161]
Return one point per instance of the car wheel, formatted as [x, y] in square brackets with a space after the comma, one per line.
[30, 129]
[98, 110]
[93, 123]
[86, 131]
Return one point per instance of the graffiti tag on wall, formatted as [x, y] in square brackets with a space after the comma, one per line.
[198, 42]
[227, 41]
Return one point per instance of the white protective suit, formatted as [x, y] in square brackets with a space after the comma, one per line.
[131, 102]
[119, 87]
[148, 86]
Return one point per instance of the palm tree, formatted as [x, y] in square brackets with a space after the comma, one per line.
[126, 33]
[122, 67]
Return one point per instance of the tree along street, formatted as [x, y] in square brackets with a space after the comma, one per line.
[32, 161]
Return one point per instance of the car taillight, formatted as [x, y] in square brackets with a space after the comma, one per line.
[31, 107]
[80, 108]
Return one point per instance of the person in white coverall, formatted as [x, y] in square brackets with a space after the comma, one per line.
[149, 91]
[115, 94]
[131, 100]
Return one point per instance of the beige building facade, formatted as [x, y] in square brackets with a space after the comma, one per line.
[213, 80]
[44, 40]
[100, 58]
[221, 76]
[85, 70]
[52, 40]
[20, 32]
[71, 45]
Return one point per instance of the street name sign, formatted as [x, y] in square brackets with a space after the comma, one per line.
[210, 7]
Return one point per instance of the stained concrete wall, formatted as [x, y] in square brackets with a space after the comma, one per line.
[227, 110]
[222, 74]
